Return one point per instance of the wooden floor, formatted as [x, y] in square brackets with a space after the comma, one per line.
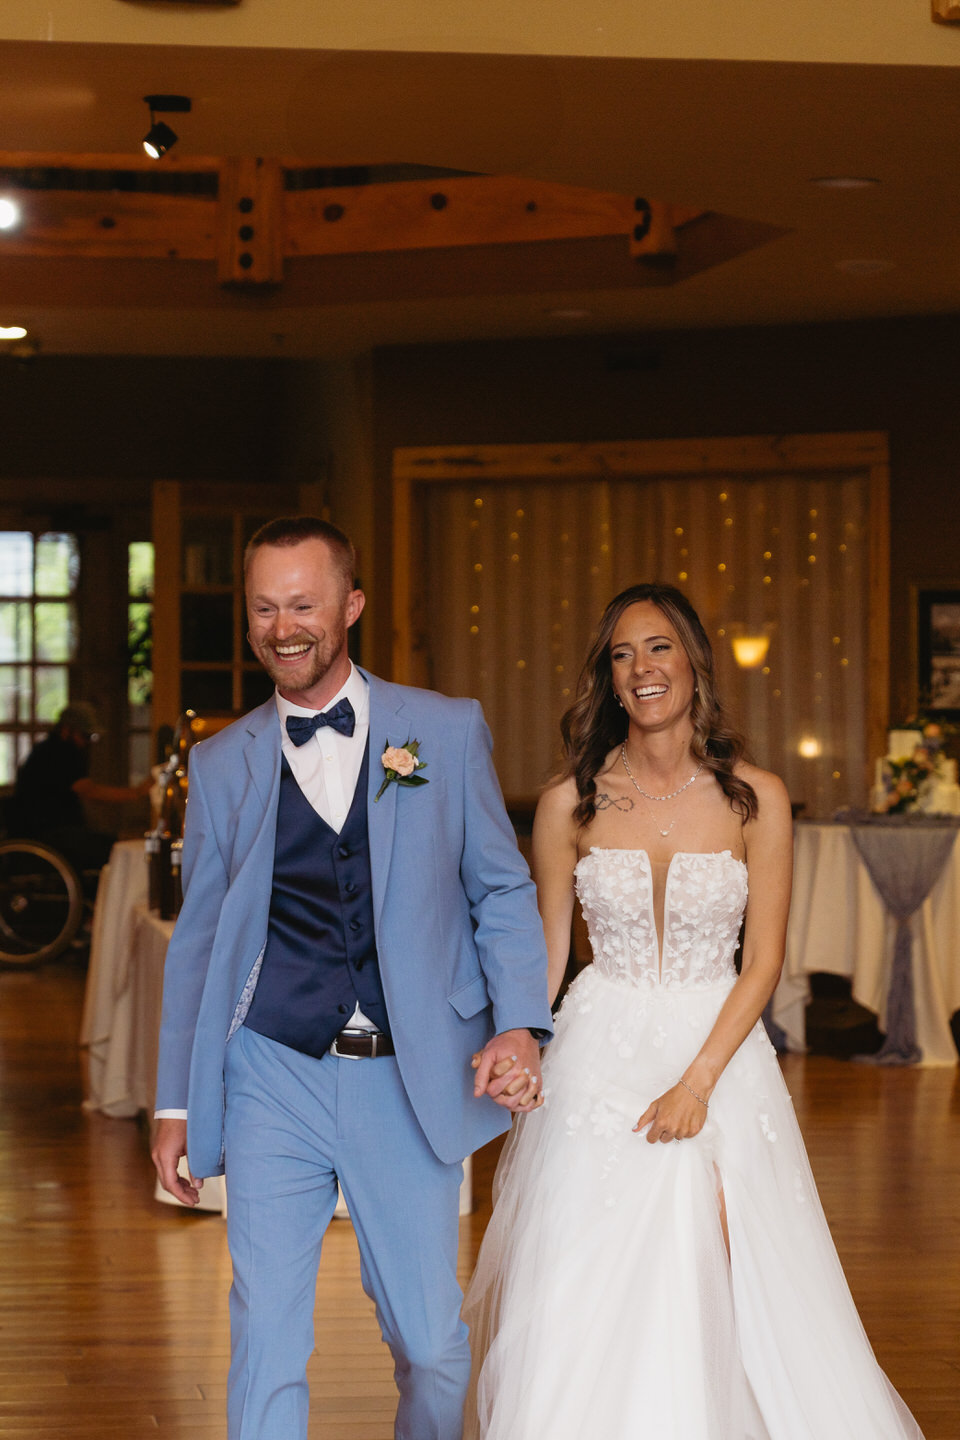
[113, 1314]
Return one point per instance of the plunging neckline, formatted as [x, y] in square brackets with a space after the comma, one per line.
[659, 931]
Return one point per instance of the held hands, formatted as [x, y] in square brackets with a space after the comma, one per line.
[508, 1070]
[677, 1114]
[169, 1144]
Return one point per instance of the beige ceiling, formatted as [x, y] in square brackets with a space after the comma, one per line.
[741, 137]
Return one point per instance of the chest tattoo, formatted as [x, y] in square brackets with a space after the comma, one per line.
[612, 802]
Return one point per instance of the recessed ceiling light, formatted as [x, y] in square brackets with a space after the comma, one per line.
[12, 332]
[864, 267]
[845, 182]
[9, 213]
[569, 314]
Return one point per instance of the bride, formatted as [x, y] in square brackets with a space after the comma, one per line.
[658, 1266]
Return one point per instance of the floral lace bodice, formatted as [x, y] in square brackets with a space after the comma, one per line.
[704, 900]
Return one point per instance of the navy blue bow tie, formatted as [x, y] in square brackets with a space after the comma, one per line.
[341, 718]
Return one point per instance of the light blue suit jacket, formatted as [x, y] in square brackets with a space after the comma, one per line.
[461, 948]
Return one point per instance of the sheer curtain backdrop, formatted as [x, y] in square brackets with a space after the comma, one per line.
[516, 574]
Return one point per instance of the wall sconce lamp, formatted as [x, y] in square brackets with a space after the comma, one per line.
[160, 137]
[749, 651]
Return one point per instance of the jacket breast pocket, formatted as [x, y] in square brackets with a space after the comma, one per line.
[471, 998]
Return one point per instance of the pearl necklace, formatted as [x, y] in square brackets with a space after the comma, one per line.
[673, 793]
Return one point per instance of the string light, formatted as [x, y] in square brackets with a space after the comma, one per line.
[594, 553]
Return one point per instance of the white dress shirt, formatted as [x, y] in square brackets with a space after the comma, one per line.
[327, 769]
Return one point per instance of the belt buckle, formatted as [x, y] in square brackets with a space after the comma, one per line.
[374, 1036]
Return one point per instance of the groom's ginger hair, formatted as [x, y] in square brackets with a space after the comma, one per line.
[289, 530]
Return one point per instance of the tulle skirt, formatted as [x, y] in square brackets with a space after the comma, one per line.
[605, 1305]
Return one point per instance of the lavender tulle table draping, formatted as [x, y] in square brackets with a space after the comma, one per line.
[878, 900]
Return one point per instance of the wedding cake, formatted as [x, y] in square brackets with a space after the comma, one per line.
[915, 776]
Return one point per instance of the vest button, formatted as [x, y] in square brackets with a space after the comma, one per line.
[350, 887]
[355, 926]
[342, 1009]
[344, 852]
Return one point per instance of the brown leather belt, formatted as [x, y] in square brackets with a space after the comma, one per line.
[362, 1045]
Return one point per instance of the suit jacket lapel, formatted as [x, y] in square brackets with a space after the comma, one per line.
[388, 726]
[262, 751]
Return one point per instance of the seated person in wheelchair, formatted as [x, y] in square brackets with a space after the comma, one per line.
[54, 781]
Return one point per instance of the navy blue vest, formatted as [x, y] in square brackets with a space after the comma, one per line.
[321, 955]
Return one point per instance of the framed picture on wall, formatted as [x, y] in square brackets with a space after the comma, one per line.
[938, 649]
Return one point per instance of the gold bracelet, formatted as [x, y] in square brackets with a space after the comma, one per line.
[704, 1103]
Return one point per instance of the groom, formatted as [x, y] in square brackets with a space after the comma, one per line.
[356, 923]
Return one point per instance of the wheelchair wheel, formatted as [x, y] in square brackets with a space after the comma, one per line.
[41, 903]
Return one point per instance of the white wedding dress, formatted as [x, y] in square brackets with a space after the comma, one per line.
[604, 1305]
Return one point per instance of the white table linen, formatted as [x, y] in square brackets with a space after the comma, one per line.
[107, 1024]
[840, 926]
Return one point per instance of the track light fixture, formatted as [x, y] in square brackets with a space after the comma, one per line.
[160, 137]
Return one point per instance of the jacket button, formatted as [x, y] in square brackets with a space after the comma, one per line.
[342, 1009]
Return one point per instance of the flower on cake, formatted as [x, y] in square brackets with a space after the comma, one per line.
[924, 779]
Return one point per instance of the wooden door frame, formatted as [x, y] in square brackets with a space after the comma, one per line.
[866, 451]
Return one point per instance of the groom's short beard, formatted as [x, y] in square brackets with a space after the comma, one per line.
[316, 663]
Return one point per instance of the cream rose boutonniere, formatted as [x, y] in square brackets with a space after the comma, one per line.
[401, 764]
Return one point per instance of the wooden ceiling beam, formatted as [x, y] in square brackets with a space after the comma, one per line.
[250, 231]
[472, 210]
[135, 160]
[254, 223]
[112, 225]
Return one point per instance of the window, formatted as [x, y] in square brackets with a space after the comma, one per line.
[38, 637]
[139, 655]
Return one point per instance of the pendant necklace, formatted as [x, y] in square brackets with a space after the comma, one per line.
[672, 796]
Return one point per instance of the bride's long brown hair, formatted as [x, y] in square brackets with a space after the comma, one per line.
[595, 723]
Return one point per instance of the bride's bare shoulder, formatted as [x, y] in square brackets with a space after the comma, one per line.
[554, 828]
[771, 793]
[558, 799]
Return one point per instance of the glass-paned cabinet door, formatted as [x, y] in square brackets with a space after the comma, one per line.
[39, 574]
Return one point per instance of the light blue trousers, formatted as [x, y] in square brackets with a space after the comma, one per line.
[294, 1126]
